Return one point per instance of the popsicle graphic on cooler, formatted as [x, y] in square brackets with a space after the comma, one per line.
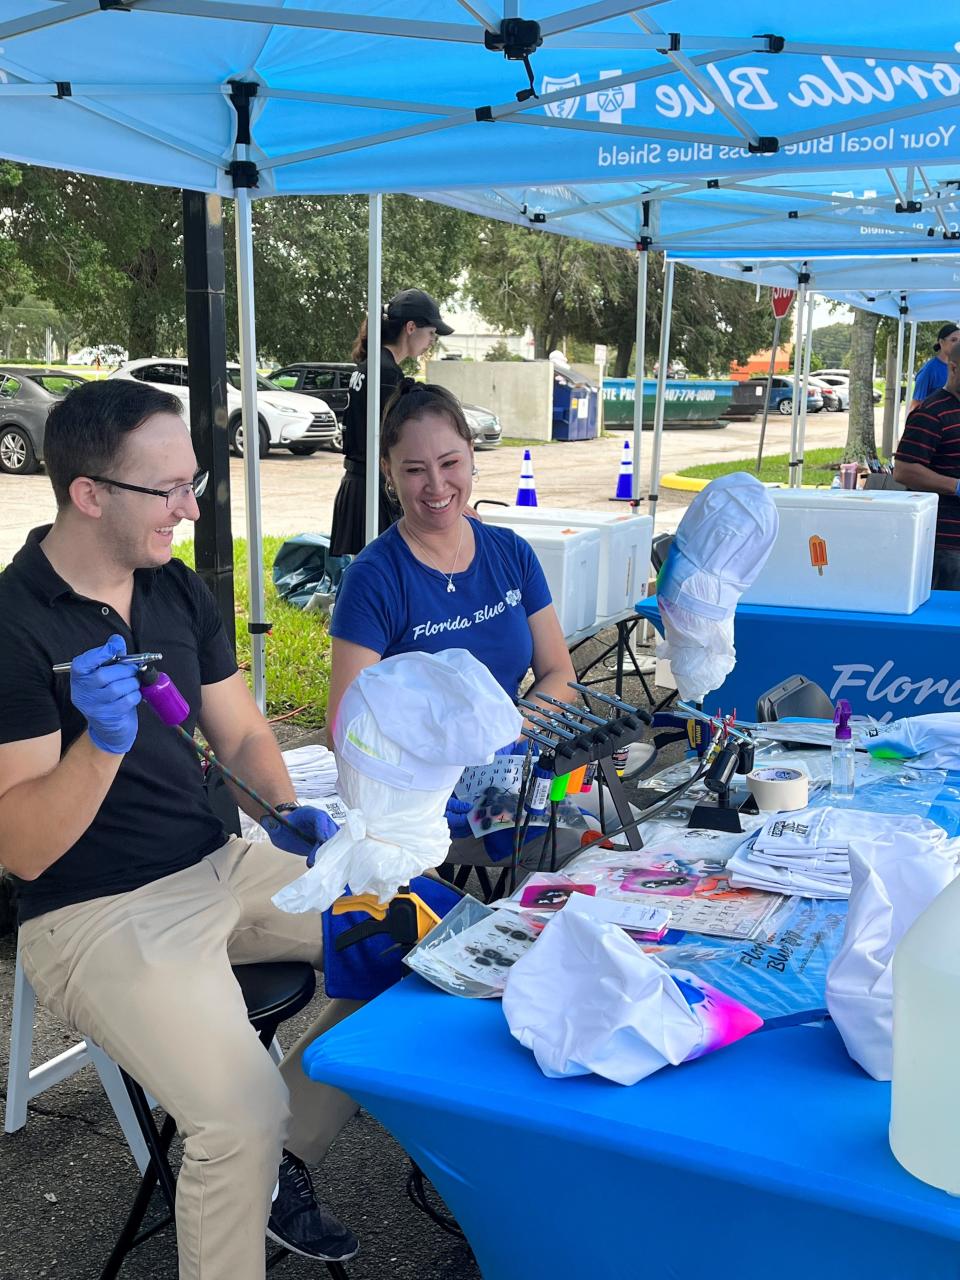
[818, 553]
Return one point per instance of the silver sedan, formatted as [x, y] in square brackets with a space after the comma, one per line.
[26, 397]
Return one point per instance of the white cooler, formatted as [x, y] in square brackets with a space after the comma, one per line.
[571, 561]
[624, 548]
[864, 551]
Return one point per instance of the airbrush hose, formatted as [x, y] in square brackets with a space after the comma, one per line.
[172, 708]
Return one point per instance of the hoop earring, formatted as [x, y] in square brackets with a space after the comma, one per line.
[390, 490]
[474, 473]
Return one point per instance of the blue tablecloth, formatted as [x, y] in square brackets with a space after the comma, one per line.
[769, 1159]
[902, 664]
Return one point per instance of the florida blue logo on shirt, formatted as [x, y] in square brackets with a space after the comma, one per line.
[484, 614]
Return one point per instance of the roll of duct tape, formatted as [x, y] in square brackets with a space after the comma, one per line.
[778, 789]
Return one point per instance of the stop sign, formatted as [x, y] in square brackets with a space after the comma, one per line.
[781, 300]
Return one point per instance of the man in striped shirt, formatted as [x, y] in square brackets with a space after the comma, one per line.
[928, 461]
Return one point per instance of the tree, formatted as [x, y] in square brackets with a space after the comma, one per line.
[310, 267]
[831, 343]
[111, 254]
[518, 277]
[500, 351]
[560, 287]
[861, 443]
[106, 252]
[15, 279]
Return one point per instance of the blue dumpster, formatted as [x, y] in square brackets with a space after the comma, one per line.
[575, 407]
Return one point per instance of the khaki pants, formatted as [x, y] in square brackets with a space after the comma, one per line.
[146, 975]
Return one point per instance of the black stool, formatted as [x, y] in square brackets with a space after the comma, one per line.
[272, 993]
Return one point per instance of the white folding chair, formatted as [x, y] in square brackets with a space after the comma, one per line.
[25, 1082]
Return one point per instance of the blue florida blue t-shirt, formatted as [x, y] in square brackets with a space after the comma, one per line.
[391, 602]
[930, 378]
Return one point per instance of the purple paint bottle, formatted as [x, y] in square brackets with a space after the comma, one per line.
[163, 695]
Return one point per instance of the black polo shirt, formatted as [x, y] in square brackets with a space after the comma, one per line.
[155, 818]
[932, 438]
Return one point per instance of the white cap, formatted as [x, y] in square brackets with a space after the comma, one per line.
[721, 545]
[437, 711]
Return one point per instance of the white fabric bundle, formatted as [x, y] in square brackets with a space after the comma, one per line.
[928, 742]
[585, 998]
[807, 852]
[895, 877]
[721, 545]
[313, 772]
[405, 730]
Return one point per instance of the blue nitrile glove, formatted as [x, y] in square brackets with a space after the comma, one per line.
[499, 844]
[518, 748]
[314, 826]
[107, 695]
[456, 816]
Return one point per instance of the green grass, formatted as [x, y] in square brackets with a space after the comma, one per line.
[298, 648]
[517, 443]
[819, 466]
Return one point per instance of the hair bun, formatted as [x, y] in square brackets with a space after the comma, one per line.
[406, 385]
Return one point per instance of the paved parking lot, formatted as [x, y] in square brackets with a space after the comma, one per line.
[298, 493]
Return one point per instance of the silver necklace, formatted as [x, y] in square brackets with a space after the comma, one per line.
[433, 565]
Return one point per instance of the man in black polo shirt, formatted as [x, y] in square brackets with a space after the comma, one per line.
[928, 460]
[133, 901]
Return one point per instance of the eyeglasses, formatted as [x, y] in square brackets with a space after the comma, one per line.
[179, 492]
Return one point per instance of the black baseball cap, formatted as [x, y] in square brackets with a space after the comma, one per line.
[945, 332]
[414, 304]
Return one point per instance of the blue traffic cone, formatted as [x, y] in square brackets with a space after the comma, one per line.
[625, 478]
[527, 491]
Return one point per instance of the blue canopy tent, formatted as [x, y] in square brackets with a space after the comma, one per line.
[909, 215]
[923, 285]
[252, 98]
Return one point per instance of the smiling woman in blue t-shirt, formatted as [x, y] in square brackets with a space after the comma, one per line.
[438, 579]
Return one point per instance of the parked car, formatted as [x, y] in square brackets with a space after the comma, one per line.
[844, 376]
[840, 387]
[484, 424]
[26, 397]
[299, 423]
[831, 400]
[781, 395]
[331, 379]
[328, 379]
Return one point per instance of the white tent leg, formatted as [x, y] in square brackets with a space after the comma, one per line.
[665, 319]
[908, 376]
[374, 263]
[641, 354]
[890, 422]
[251, 441]
[801, 313]
[807, 356]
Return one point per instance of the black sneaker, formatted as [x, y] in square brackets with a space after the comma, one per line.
[300, 1223]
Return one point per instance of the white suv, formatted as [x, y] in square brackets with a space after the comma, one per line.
[302, 424]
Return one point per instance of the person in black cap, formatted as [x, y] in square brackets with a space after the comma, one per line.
[410, 324]
[933, 375]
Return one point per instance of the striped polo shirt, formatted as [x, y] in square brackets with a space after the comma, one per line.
[932, 438]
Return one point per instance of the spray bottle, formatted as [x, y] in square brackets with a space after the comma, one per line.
[842, 759]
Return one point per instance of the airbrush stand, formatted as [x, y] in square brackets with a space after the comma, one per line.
[724, 815]
[574, 737]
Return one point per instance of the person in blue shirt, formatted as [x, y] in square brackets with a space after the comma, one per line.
[933, 375]
[439, 579]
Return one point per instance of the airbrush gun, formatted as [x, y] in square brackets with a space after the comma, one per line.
[172, 708]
